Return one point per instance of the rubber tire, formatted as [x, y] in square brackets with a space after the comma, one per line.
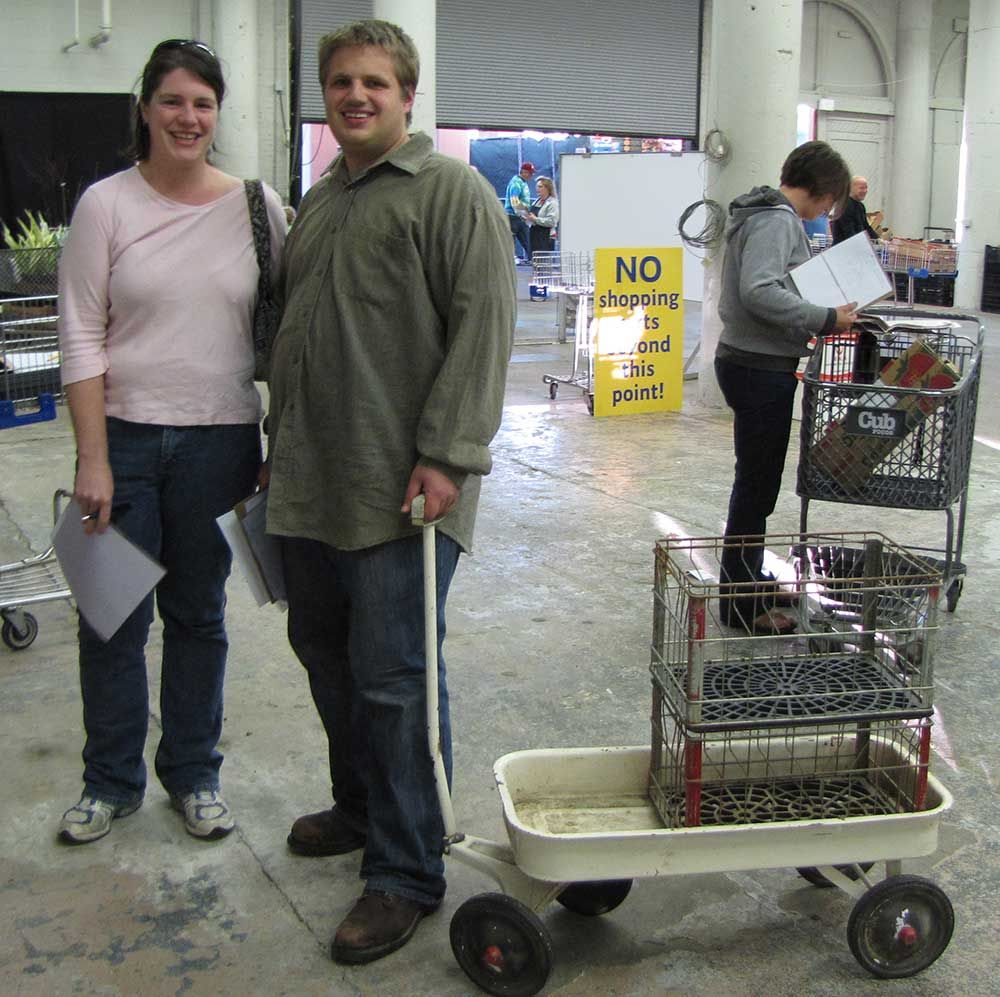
[953, 595]
[875, 918]
[16, 641]
[812, 875]
[553, 389]
[594, 899]
[590, 404]
[494, 921]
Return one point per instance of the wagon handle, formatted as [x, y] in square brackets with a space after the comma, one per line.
[431, 656]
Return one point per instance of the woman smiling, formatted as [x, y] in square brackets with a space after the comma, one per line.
[157, 284]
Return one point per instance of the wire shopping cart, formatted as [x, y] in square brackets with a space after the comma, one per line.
[917, 260]
[30, 379]
[571, 277]
[29, 582]
[906, 444]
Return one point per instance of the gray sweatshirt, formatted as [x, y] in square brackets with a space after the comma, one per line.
[764, 321]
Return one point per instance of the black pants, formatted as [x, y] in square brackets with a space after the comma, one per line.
[762, 402]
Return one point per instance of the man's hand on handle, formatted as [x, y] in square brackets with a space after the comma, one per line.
[440, 491]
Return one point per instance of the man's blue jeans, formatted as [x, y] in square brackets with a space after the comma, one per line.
[522, 236]
[356, 622]
[762, 402]
[170, 484]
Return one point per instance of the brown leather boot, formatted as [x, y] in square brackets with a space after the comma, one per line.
[324, 833]
[379, 923]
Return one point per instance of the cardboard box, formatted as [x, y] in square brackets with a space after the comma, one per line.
[879, 419]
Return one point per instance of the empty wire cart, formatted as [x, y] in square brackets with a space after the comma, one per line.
[888, 417]
[29, 582]
[570, 276]
[30, 379]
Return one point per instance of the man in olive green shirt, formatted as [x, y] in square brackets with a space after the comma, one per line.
[387, 382]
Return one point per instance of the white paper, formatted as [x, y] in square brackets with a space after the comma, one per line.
[849, 271]
[257, 553]
[108, 574]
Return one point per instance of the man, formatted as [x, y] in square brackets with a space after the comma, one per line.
[387, 383]
[853, 218]
[517, 203]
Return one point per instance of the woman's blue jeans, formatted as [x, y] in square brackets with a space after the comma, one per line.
[171, 482]
[356, 622]
[762, 403]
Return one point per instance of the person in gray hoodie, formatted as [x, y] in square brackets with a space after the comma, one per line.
[766, 329]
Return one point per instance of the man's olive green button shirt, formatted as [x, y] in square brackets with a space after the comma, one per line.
[399, 309]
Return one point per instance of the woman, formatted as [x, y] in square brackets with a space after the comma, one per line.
[157, 283]
[544, 217]
[766, 329]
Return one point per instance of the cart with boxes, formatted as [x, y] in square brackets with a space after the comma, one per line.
[888, 417]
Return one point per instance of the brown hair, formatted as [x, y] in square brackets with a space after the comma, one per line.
[391, 38]
[176, 53]
[548, 183]
[819, 169]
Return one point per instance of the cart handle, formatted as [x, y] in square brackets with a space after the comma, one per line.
[59, 500]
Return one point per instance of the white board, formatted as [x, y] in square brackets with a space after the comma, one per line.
[632, 199]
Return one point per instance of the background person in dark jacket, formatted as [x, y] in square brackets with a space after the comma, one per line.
[853, 219]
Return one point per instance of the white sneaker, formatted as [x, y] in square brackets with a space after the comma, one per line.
[205, 813]
[91, 819]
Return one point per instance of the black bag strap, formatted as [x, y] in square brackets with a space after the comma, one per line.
[261, 229]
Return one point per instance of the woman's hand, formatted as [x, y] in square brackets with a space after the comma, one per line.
[93, 490]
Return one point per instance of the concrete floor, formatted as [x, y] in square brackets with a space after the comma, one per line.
[549, 624]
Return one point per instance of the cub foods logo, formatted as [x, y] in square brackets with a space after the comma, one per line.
[890, 423]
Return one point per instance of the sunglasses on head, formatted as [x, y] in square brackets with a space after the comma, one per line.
[173, 43]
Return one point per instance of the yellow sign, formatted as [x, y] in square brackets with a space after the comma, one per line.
[639, 344]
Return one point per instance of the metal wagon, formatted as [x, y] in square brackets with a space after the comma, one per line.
[867, 439]
[583, 822]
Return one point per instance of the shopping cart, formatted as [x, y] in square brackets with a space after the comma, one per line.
[570, 276]
[29, 361]
[917, 260]
[583, 822]
[866, 442]
[29, 582]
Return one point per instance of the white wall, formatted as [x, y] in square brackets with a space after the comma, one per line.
[36, 30]
[36, 62]
[843, 65]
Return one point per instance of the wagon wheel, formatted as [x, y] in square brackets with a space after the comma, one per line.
[592, 899]
[501, 945]
[814, 876]
[18, 640]
[900, 926]
[590, 402]
[954, 594]
[553, 389]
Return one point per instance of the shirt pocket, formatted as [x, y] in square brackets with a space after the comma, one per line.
[379, 270]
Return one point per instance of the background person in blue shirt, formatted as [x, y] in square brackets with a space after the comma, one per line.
[517, 202]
